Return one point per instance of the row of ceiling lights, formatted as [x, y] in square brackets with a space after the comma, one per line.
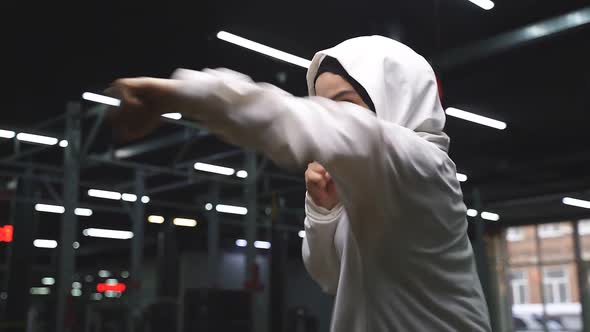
[47, 140]
[32, 138]
[290, 58]
[76, 290]
[118, 234]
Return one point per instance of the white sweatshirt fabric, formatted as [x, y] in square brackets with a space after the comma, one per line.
[395, 252]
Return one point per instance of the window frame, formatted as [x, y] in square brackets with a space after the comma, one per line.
[554, 284]
[515, 285]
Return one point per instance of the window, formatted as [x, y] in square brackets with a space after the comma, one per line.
[584, 227]
[550, 230]
[555, 285]
[514, 234]
[520, 287]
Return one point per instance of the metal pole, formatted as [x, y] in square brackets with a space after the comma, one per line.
[582, 279]
[506, 300]
[213, 238]
[251, 202]
[279, 254]
[69, 226]
[481, 258]
[499, 301]
[20, 259]
[163, 315]
[479, 245]
[138, 217]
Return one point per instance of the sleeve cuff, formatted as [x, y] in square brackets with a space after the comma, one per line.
[320, 214]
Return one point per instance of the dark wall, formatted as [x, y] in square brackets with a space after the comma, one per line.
[301, 290]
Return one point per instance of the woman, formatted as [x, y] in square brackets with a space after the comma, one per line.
[386, 223]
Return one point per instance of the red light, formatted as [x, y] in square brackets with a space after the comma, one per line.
[103, 287]
[6, 233]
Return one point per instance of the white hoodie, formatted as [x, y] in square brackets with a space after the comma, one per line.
[395, 252]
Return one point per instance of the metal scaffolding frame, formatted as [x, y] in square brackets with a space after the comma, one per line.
[78, 156]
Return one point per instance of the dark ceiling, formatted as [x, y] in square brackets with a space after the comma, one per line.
[52, 54]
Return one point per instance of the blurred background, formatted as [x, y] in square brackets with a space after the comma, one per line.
[182, 232]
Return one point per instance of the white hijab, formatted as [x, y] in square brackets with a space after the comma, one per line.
[400, 82]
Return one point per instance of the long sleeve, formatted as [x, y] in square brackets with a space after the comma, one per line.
[367, 157]
[319, 252]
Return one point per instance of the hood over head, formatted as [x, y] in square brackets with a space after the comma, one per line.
[399, 81]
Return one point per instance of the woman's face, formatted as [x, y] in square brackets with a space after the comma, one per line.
[333, 86]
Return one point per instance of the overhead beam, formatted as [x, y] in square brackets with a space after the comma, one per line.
[159, 143]
[194, 177]
[36, 166]
[210, 158]
[160, 169]
[529, 33]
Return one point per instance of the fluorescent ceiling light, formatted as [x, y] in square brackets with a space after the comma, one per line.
[301, 234]
[41, 243]
[7, 133]
[49, 208]
[262, 244]
[266, 50]
[461, 177]
[40, 291]
[104, 273]
[242, 174]
[576, 202]
[484, 4]
[490, 216]
[173, 116]
[475, 118]
[214, 169]
[107, 233]
[156, 219]
[145, 199]
[257, 244]
[48, 281]
[185, 222]
[111, 281]
[32, 138]
[101, 99]
[112, 294]
[472, 212]
[231, 209]
[129, 197]
[83, 212]
[104, 194]
[63, 143]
